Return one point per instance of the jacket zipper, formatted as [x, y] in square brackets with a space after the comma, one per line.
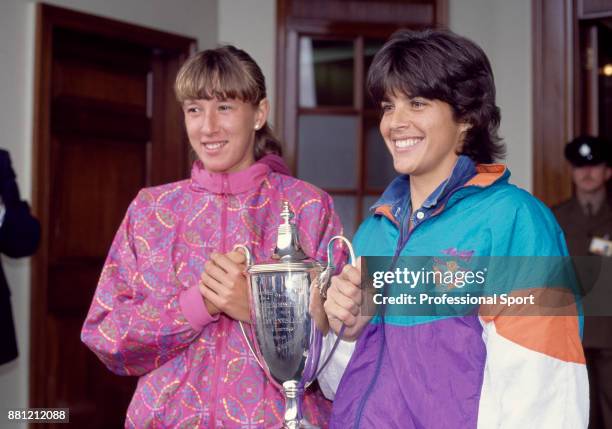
[221, 337]
[400, 245]
[402, 242]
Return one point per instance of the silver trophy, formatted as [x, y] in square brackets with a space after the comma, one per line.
[287, 343]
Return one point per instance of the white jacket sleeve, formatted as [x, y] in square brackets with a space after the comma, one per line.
[531, 383]
[330, 377]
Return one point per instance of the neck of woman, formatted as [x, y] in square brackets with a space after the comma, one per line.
[422, 186]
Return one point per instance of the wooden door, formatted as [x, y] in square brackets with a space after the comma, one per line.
[107, 126]
[569, 40]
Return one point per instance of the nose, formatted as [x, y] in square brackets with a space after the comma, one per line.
[210, 122]
[400, 117]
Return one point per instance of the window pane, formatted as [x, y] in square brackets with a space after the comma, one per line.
[368, 202]
[370, 47]
[326, 72]
[327, 150]
[379, 163]
[346, 206]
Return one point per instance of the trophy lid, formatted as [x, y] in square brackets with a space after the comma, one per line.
[288, 254]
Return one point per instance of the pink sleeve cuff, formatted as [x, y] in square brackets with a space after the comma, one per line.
[194, 309]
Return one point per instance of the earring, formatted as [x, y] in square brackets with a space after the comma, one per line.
[257, 126]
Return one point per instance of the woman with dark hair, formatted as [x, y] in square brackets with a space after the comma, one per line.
[171, 292]
[489, 370]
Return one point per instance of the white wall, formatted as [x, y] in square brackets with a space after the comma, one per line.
[194, 18]
[503, 29]
[16, 71]
[251, 25]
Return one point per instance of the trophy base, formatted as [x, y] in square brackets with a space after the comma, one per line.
[304, 424]
[293, 407]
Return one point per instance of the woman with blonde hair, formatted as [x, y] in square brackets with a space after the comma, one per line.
[172, 292]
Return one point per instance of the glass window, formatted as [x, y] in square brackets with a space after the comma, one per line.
[326, 72]
[370, 47]
[345, 206]
[327, 151]
[368, 202]
[379, 163]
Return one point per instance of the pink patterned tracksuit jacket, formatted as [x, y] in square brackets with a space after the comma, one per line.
[148, 318]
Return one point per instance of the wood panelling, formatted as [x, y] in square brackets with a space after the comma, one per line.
[76, 78]
[102, 189]
[565, 93]
[552, 99]
[101, 119]
[380, 11]
[589, 9]
[106, 126]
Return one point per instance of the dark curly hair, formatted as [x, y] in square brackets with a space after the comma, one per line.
[441, 65]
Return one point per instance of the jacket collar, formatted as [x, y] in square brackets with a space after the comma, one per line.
[228, 183]
[488, 174]
[463, 170]
[276, 164]
[465, 174]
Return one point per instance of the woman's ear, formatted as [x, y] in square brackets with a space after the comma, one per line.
[464, 127]
[261, 113]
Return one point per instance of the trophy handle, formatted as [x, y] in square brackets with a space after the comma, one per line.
[325, 276]
[247, 253]
[251, 346]
[324, 280]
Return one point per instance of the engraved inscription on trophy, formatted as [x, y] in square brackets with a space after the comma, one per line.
[286, 343]
[283, 328]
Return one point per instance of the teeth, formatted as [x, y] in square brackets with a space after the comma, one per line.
[406, 142]
[213, 146]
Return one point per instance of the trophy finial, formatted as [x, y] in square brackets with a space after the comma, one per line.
[286, 213]
[288, 241]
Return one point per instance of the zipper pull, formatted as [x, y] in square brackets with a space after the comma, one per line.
[224, 183]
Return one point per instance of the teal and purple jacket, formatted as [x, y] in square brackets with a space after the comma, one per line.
[493, 371]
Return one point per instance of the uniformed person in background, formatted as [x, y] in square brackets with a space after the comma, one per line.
[586, 220]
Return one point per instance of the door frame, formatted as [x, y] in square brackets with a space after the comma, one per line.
[561, 105]
[554, 91]
[170, 50]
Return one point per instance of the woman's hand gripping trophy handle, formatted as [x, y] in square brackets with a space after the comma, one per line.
[343, 300]
[344, 318]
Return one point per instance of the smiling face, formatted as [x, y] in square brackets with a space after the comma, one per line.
[422, 136]
[222, 132]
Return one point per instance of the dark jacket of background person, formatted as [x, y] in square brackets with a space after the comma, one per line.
[582, 222]
[19, 237]
[580, 228]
